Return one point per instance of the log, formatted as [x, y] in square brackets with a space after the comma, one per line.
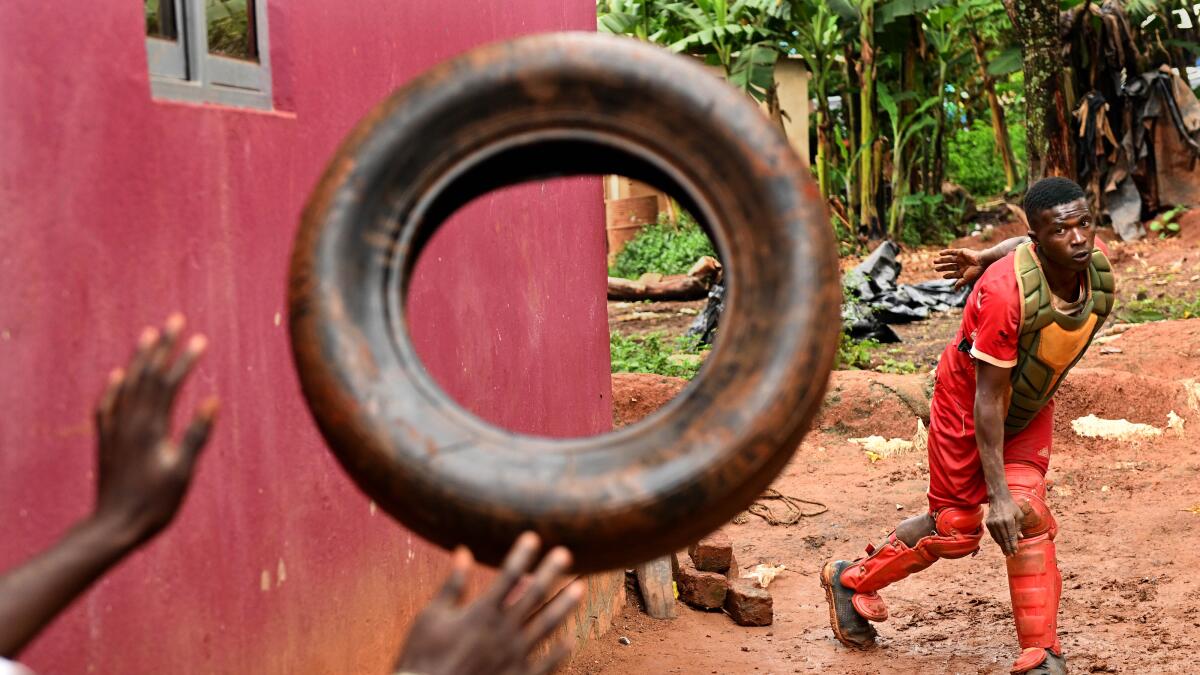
[657, 586]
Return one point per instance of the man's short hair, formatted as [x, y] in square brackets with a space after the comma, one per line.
[1048, 193]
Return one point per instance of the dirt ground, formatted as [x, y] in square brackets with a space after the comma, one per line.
[1129, 515]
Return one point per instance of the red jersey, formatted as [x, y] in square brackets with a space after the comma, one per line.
[990, 330]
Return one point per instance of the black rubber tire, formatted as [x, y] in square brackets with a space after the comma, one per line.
[564, 104]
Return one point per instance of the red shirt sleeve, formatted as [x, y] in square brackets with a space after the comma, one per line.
[1103, 248]
[998, 320]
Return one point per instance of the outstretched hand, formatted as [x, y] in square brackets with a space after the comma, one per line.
[964, 264]
[142, 478]
[494, 635]
[143, 473]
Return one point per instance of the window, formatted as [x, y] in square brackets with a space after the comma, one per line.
[212, 51]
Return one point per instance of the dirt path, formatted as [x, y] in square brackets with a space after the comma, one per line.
[1131, 595]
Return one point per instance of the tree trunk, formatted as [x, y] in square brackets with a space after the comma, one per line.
[1049, 151]
[822, 140]
[852, 129]
[999, 124]
[867, 213]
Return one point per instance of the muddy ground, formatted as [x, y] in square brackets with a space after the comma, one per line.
[1129, 513]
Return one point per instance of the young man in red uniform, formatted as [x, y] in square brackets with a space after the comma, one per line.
[1029, 319]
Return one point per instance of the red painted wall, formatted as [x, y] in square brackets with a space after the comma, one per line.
[116, 209]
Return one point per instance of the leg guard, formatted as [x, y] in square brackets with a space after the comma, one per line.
[957, 532]
[1033, 579]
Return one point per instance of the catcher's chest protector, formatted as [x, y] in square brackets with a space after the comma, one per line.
[1052, 342]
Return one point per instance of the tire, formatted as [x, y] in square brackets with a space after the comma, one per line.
[564, 104]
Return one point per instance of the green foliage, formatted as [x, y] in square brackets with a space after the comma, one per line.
[228, 27]
[663, 248]
[1158, 309]
[652, 354]
[1166, 225]
[890, 365]
[973, 162]
[855, 354]
[929, 219]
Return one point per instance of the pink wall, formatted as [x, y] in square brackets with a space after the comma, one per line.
[116, 209]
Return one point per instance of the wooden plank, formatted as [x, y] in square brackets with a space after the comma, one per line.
[657, 586]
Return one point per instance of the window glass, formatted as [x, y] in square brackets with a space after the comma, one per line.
[231, 28]
[160, 19]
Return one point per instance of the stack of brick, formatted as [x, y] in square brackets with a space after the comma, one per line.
[708, 579]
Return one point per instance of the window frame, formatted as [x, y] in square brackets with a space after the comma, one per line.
[184, 70]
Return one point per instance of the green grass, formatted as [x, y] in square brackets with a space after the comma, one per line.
[1158, 309]
[652, 353]
[663, 248]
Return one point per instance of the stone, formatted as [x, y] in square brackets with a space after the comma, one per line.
[704, 590]
[713, 553]
[747, 604]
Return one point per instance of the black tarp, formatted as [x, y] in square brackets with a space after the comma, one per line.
[872, 299]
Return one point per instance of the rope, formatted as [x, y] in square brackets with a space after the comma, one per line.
[792, 506]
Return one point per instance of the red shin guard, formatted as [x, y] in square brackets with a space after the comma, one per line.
[957, 532]
[1033, 579]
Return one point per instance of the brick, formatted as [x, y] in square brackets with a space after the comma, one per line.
[705, 590]
[714, 553]
[748, 604]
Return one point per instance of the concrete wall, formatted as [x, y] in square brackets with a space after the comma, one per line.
[116, 209]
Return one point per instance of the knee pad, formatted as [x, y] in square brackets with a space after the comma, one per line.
[957, 532]
[1028, 487]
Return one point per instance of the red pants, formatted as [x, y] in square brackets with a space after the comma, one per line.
[955, 473]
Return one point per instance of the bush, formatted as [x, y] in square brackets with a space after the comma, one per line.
[973, 161]
[663, 248]
[651, 354]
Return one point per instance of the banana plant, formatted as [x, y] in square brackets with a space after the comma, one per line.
[903, 129]
[744, 37]
[817, 40]
[639, 18]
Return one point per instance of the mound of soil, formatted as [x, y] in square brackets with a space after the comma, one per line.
[636, 395]
[1168, 349]
[1117, 394]
[866, 403]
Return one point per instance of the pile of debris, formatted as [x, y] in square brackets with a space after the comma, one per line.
[874, 301]
[708, 579]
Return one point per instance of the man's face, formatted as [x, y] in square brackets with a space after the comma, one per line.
[1065, 234]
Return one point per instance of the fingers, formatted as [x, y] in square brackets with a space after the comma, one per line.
[184, 364]
[961, 283]
[551, 568]
[553, 660]
[197, 433]
[544, 622]
[515, 565]
[104, 409]
[160, 354]
[137, 365]
[451, 592]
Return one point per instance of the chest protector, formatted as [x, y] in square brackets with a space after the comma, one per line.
[1051, 343]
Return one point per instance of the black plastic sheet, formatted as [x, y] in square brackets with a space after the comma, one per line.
[874, 300]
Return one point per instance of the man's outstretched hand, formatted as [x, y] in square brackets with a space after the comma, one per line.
[142, 478]
[144, 473]
[963, 264]
[494, 635]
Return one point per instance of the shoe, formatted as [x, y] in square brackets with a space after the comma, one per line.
[1038, 661]
[849, 627]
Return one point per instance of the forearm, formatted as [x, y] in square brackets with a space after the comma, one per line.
[989, 438]
[991, 255]
[34, 593]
